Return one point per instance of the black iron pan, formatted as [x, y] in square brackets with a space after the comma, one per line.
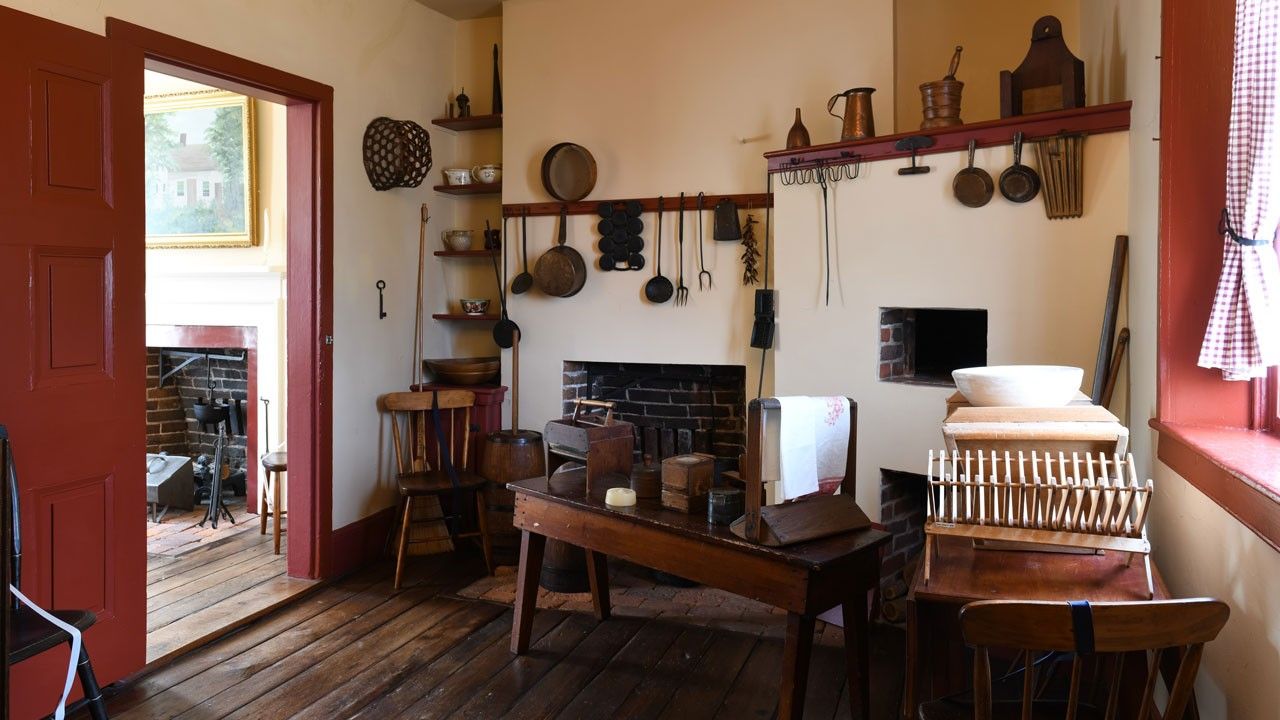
[1019, 183]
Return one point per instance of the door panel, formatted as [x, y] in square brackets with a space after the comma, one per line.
[71, 329]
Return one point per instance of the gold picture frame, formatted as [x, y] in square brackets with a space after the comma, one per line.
[201, 188]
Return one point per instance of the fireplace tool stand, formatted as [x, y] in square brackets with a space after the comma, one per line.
[215, 414]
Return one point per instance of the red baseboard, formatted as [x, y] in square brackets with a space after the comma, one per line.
[360, 543]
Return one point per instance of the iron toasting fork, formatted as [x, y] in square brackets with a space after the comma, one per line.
[702, 262]
[682, 290]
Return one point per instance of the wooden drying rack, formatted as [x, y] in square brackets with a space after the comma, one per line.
[744, 201]
[1113, 117]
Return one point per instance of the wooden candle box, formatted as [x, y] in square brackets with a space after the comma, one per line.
[686, 480]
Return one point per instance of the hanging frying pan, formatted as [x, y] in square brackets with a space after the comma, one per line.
[568, 172]
[561, 271]
[1019, 183]
[972, 186]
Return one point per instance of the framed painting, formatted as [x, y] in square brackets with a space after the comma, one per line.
[201, 170]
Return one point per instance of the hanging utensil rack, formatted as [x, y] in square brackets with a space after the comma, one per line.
[166, 372]
[1096, 119]
[589, 207]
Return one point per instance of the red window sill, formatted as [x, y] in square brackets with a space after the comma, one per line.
[1238, 469]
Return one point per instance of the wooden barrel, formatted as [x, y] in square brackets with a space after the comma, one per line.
[564, 566]
[505, 456]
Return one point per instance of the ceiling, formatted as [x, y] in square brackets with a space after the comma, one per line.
[465, 9]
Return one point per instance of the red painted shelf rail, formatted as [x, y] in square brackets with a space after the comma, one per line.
[1113, 117]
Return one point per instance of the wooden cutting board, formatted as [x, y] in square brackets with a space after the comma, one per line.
[809, 519]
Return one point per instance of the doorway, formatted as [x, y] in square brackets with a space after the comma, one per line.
[216, 197]
[259, 332]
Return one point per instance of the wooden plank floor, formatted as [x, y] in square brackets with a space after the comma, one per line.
[205, 591]
[179, 531]
[358, 649]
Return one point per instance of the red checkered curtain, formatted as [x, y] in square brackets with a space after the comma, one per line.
[1243, 336]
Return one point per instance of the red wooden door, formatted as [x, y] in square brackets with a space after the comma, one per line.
[71, 335]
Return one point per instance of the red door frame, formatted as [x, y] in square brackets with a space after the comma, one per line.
[310, 259]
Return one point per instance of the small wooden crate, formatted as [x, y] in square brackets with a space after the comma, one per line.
[690, 474]
[680, 502]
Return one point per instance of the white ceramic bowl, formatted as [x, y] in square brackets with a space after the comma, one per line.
[1019, 385]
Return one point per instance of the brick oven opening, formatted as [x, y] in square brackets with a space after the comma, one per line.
[902, 512]
[675, 408]
[923, 345]
[172, 391]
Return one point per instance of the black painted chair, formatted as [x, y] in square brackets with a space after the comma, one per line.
[30, 634]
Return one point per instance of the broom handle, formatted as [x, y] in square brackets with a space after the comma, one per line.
[515, 383]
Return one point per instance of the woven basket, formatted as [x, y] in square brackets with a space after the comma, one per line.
[397, 153]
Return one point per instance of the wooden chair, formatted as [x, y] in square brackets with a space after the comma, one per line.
[276, 465]
[28, 633]
[1165, 626]
[425, 424]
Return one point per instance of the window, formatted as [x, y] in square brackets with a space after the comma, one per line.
[1222, 437]
[180, 189]
[204, 188]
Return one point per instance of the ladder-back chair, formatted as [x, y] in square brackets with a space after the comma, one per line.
[29, 634]
[1087, 630]
[431, 436]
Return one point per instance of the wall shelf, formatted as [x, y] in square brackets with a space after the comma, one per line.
[474, 122]
[464, 316]
[672, 202]
[472, 189]
[1113, 117]
[467, 253]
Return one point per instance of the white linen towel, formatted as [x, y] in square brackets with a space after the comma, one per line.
[813, 443]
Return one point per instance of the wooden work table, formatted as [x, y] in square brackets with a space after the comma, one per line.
[805, 579]
[962, 574]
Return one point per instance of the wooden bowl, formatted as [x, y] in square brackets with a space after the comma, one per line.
[464, 371]
[1019, 385]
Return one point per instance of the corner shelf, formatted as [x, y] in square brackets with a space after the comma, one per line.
[474, 122]
[464, 316]
[1091, 120]
[472, 189]
[467, 253]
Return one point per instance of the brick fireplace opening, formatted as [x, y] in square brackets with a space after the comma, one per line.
[923, 345]
[902, 512]
[232, 364]
[675, 408]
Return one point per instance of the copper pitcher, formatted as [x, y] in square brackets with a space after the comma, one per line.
[858, 121]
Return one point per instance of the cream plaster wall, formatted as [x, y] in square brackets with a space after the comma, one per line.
[995, 35]
[1199, 547]
[382, 57]
[664, 107]
[905, 242]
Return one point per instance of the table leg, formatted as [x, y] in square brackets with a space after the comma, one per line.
[796, 650]
[598, 577]
[531, 545]
[857, 656]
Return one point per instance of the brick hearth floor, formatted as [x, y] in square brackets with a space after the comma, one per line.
[633, 593]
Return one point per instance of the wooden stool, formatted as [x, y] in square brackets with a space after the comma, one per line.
[276, 464]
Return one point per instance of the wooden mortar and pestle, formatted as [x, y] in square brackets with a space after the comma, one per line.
[941, 98]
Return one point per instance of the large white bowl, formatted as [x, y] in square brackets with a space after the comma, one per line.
[1019, 385]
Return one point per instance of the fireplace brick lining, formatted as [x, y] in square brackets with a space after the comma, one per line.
[171, 424]
[701, 407]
